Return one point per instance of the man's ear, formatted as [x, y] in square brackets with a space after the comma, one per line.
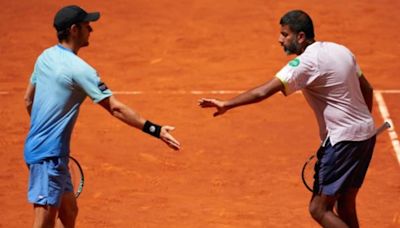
[301, 37]
[73, 29]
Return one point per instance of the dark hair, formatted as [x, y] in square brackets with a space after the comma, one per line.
[64, 34]
[299, 21]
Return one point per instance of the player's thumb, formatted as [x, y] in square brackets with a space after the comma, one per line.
[169, 128]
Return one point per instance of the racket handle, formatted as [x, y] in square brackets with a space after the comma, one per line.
[383, 127]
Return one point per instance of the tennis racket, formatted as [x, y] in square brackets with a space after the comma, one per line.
[77, 177]
[308, 172]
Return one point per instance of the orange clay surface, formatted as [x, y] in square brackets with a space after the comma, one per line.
[238, 170]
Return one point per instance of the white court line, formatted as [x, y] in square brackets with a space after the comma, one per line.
[386, 116]
[128, 92]
[217, 92]
[387, 91]
[200, 92]
[195, 92]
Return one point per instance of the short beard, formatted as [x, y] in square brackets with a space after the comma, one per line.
[85, 44]
[292, 48]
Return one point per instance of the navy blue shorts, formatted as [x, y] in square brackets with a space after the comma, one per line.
[342, 166]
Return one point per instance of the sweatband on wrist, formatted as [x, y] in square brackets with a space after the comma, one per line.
[152, 129]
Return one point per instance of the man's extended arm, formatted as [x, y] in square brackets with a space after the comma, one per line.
[257, 94]
[132, 118]
[122, 112]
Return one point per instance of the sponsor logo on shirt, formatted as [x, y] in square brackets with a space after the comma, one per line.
[294, 62]
[102, 87]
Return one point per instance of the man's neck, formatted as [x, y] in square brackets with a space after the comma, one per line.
[70, 46]
[307, 43]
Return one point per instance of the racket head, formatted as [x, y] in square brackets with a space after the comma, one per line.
[77, 177]
[308, 172]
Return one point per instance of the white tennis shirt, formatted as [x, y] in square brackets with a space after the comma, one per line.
[328, 76]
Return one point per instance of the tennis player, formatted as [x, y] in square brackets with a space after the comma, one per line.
[341, 98]
[59, 84]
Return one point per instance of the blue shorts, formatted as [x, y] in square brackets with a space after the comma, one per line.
[342, 166]
[48, 181]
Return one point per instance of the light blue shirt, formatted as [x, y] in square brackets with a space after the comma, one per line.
[62, 81]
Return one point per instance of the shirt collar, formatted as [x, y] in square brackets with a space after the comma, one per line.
[64, 48]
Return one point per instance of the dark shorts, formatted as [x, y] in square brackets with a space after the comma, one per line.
[342, 166]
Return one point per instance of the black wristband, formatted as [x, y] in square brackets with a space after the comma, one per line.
[152, 129]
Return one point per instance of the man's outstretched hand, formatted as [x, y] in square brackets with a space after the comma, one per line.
[166, 137]
[213, 103]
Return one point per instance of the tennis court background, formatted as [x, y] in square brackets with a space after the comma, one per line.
[239, 170]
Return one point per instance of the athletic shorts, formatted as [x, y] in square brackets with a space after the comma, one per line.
[342, 166]
[48, 181]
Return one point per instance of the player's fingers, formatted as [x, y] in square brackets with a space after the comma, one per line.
[201, 100]
[170, 139]
[175, 145]
[172, 142]
[172, 145]
[206, 103]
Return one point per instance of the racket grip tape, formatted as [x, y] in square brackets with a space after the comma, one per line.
[383, 127]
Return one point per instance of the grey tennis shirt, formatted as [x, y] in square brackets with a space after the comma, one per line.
[328, 76]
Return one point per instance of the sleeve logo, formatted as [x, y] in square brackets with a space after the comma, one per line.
[294, 62]
[102, 87]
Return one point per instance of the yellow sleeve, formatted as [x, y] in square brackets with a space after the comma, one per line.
[284, 82]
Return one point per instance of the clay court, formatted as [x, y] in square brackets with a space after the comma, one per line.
[238, 170]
